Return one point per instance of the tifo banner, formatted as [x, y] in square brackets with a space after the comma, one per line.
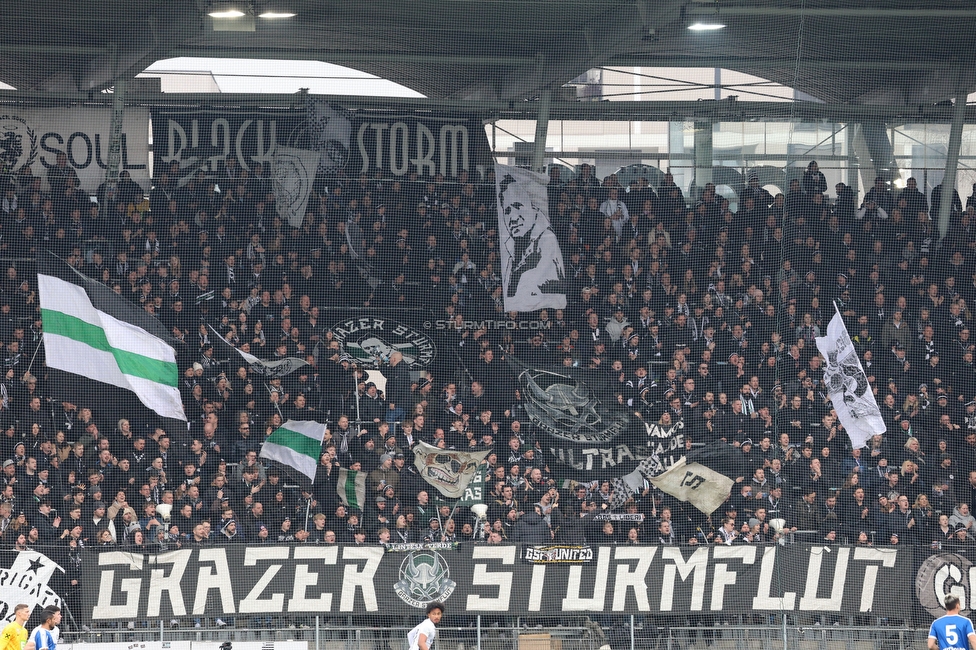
[368, 339]
[574, 413]
[292, 174]
[486, 579]
[350, 141]
[583, 434]
[533, 273]
[33, 137]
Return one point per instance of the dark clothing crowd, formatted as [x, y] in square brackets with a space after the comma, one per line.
[694, 314]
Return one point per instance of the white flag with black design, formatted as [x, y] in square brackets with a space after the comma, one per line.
[292, 176]
[847, 384]
[533, 272]
[696, 484]
[26, 581]
[447, 470]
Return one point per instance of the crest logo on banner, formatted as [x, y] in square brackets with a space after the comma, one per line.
[328, 132]
[18, 143]
[424, 578]
[942, 574]
[568, 409]
[371, 340]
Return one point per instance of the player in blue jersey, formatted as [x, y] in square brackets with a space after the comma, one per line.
[952, 631]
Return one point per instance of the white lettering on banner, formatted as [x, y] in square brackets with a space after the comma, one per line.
[424, 162]
[809, 600]
[33, 137]
[887, 557]
[219, 579]
[391, 143]
[454, 148]
[721, 576]
[536, 586]
[131, 587]
[304, 578]
[951, 572]
[697, 564]
[767, 570]
[275, 579]
[263, 136]
[501, 579]
[353, 579]
[636, 579]
[162, 582]
[399, 144]
[253, 603]
[574, 602]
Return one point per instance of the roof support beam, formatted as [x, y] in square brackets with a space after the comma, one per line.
[664, 111]
[833, 12]
[761, 63]
[346, 57]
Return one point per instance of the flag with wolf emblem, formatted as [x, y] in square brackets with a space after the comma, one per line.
[847, 384]
[447, 470]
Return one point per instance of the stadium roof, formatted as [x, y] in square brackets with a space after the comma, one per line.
[882, 52]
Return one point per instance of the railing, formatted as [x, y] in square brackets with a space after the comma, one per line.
[504, 633]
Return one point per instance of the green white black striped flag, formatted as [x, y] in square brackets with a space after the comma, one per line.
[296, 444]
[351, 488]
[85, 335]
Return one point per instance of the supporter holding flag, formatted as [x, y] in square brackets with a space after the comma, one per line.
[847, 384]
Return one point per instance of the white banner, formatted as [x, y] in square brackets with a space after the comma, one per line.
[532, 264]
[34, 136]
[293, 173]
[26, 581]
[847, 384]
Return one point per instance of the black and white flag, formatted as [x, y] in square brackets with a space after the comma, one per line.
[693, 481]
[26, 581]
[276, 368]
[292, 174]
[847, 384]
[532, 264]
[447, 470]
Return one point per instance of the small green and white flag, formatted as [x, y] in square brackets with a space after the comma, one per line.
[82, 337]
[351, 488]
[297, 444]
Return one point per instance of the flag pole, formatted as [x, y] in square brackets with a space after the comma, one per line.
[355, 382]
[34, 356]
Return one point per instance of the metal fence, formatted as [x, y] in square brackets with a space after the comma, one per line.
[504, 633]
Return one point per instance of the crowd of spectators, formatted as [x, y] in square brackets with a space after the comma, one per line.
[693, 312]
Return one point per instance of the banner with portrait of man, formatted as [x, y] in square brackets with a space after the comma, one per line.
[532, 264]
[292, 175]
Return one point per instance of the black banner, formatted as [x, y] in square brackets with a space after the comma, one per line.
[584, 433]
[355, 142]
[487, 579]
